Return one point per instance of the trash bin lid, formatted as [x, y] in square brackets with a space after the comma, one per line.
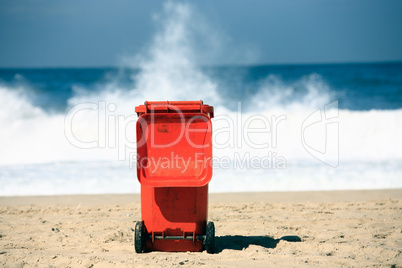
[174, 149]
[175, 106]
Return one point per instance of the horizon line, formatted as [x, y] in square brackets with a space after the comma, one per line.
[210, 65]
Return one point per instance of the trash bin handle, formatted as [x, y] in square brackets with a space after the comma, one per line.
[148, 105]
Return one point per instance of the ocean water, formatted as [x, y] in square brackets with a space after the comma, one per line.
[276, 128]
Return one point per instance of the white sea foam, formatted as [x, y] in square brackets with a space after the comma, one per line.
[370, 153]
[321, 147]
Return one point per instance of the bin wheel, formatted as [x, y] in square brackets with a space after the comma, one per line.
[210, 238]
[139, 237]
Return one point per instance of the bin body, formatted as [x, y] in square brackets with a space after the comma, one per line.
[174, 153]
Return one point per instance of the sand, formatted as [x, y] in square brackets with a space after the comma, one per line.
[327, 229]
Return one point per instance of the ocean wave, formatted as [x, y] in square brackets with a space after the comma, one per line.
[296, 127]
[31, 135]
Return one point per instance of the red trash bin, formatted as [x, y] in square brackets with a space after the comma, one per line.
[174, 154]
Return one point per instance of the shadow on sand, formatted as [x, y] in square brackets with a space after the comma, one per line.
[239, 242]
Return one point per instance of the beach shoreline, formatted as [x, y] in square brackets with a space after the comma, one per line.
[349, 228]
[273, 197]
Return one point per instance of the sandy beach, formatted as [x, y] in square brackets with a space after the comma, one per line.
[286, 229]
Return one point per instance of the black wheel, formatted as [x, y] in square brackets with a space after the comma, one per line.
[139, 237]
[210, 238]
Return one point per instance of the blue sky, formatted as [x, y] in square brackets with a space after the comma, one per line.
[72, 33]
